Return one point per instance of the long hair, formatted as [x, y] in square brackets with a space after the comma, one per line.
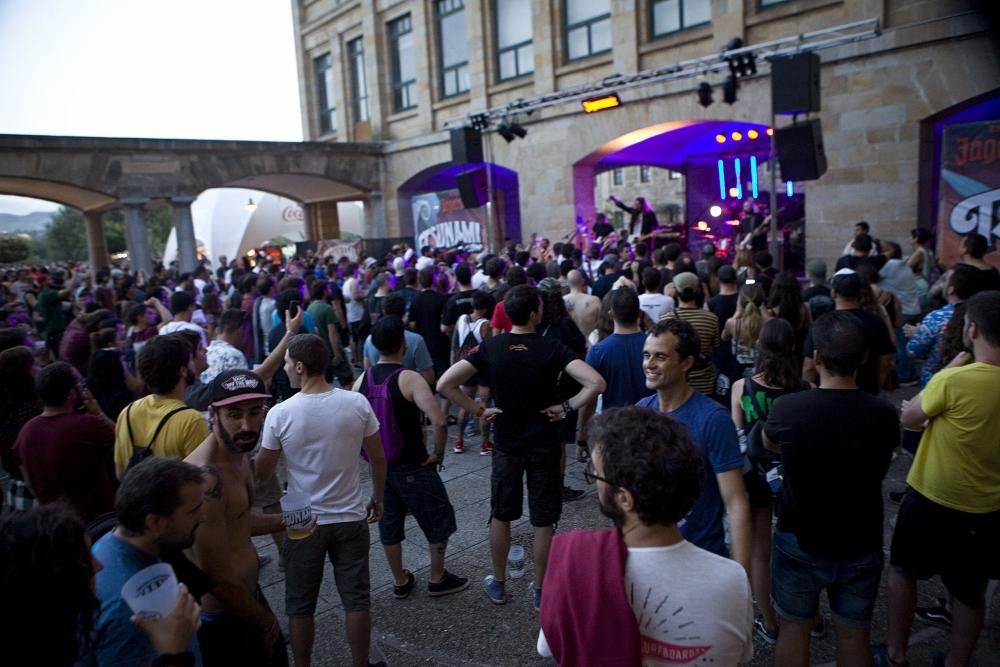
[752, 298]
[605, 325]
[951, 342]
[777, 360]
[17, 382]
[785, 299]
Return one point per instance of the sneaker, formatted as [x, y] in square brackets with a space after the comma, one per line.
[897, 496]
[486, 448]
[403, 592]
[819, 630]
[458, 447]
[449, 584]
[495, 590]
[570, 494]
[536, 596]
[938, 614]
[769, 637]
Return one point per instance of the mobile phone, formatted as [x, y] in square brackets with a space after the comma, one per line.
[750, 281]
[293, 308]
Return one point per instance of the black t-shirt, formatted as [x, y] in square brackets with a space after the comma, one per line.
[602, 229]
[815, 290]
[986, 279]
[426, 312]
[724, 307]
[405, 413]
[877, 343]
[458, 304]
[523, 372]
[603, 284]
[836, 445]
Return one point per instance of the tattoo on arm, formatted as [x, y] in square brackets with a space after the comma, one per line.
[214, 479]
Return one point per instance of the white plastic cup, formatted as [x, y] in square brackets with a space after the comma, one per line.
[152, 591]
[297, 512]
[515, 561]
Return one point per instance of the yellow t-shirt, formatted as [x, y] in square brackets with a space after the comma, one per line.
[958, 461]
[178, 437]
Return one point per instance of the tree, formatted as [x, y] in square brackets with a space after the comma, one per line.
[14, 249]
[66, 234]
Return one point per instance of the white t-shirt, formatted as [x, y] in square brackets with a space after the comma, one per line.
[174, 327]
[355, 309]
[693, 607]
[655, 305]
[321, 436]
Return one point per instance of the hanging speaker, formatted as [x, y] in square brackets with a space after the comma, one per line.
[466, 145]
[795, 84]
[473, 188]
[800, 151]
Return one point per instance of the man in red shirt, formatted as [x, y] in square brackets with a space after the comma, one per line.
[64, 454]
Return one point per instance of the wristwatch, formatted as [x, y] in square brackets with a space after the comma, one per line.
[567, 408]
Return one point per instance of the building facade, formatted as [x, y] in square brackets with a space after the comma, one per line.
[402, 72]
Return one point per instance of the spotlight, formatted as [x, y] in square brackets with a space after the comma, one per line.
[251, 206]
[705, 94]
[742, 65]
[715, 210]
[517, 129]
[737, 136]
[505, 131]
[729, 89]
[733, 192]
[702, 226]
[720, 138]
[770, 131]
[753, 134]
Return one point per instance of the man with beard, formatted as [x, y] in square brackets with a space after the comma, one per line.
[652, 597]
[238, 626]
[159, 507]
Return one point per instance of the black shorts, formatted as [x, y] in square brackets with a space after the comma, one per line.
[963, 548]
[225, 639]
[541, 463]
[418, 490]
[758, 490]
[355, 328]
[567, 429]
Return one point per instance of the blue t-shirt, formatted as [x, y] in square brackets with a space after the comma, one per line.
[618, 358]
[117, 642]
[714, 433]
[308, 323]
[416, 358]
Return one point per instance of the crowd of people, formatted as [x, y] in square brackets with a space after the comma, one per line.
[161, 418]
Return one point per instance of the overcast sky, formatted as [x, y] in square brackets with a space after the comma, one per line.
[184, 69]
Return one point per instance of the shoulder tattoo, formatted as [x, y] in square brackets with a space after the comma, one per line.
[214, 480]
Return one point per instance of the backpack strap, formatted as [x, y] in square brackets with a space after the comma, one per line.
[159, 427]
[128, 424]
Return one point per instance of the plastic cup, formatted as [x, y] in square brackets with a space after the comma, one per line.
[297, 512]
[515, 561]
[152, 591]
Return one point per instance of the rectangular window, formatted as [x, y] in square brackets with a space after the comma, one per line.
[515, 55]
[588, 28]
[619, 219]
[453, 49]
[674, 175]
[325, 106]
[644, 174]
[618, 176]
[673, 15]
[359, 82]
[404, 67]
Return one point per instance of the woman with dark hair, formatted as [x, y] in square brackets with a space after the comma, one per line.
[108, 379]
[46, 568]
[18, 405]
[921, 262]
[742, 329]
[776, 373]
[784, 300]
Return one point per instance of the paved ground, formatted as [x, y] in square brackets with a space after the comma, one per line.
[465, 629]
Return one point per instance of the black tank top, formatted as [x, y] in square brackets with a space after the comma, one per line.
[757, 399]
[407, 415]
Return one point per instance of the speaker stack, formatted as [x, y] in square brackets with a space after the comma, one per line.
[795, 90]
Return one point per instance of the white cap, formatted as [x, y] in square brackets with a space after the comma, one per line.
[398, 266]
[845, 272]
[424, 263]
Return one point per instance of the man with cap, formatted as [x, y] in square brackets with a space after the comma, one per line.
[238, 627]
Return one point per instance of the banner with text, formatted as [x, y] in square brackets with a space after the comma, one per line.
[337, 248]
[440, 220]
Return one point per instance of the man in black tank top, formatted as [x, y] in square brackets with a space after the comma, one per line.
[412, 482]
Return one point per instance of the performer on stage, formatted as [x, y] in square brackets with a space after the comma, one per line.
[753, 227]
[602, 228]
[643, 222]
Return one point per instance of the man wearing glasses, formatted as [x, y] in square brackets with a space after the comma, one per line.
[652, 597]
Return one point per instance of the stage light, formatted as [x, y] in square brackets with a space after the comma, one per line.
[753, 174]
[251, 206]
[702, 226]
[729, 88]
[732, 192]
[720, 138]
[519, 130]
[737, 136]
[770, 131]
[753, 134]
[789, 189]
[601, 103]
[722, 180]
[705, 94]
[739, 178]
[715, 210]
[504, 130]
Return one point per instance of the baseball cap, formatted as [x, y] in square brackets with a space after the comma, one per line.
[236, 385]
[550, 284]
[686, 281]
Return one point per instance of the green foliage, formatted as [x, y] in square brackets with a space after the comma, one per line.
[14, 249]
[65, 237]
[159, 222]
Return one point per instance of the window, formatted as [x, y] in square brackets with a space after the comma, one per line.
[588, 28]
[673, 15]
[674, 175]
[359, 83]
[404, 67]
[515, 55]
[619, 219]
[644, 174]
[324, 94]
[453, 49]
[618, 176]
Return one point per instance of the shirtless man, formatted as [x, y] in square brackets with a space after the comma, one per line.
[238, 627]
[582, 307]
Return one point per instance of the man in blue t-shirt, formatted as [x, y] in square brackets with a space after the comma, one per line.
[670, 351]
[159, 507]
[618, 358]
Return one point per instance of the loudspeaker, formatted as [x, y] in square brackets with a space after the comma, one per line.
[473, 188]
[795, 84]
[800, 151]
[466, 145]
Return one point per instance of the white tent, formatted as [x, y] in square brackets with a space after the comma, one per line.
[224, 225]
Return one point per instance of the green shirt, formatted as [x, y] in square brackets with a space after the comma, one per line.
[49, 306]
[322, 314]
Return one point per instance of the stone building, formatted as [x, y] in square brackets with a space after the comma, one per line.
[403, 72]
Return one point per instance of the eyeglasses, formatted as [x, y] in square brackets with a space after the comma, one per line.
[589, 476]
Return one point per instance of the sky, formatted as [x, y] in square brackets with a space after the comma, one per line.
[182, 69]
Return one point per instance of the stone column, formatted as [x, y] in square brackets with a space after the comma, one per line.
[97, 246]
[375, 214]
[323, 220]
[137, 236]
[187, 248]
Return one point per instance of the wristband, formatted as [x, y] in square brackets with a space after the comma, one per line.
[567, 408]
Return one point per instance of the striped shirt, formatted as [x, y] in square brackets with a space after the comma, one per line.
[702, 374]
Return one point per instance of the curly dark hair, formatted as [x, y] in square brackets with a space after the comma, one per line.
[45, 557]
[688, 341]
[951, 337]
[653, 457]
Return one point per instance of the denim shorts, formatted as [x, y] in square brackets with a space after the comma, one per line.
[346, 545]
[540, 465]
[798, 579]
[418, 490]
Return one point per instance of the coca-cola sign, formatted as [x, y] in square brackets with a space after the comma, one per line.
[293, 214]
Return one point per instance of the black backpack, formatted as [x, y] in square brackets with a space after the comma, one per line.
[140, 454]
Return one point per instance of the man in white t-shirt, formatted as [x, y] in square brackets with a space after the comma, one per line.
[651, 597]
[320, 430]
[652, 301]
[354, 298]
[182, 308]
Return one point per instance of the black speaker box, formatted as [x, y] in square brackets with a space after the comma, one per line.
[466, 145]
[795, 84]
[473, 188]
[800, 151]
